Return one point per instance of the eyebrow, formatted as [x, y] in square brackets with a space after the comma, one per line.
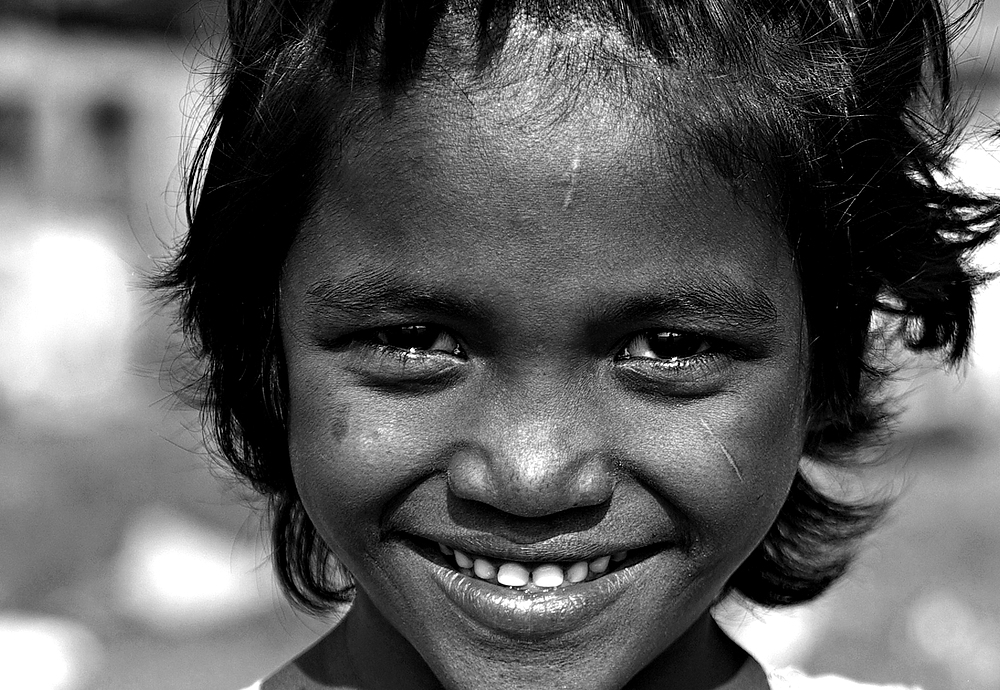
[379, 292]
[721, 300]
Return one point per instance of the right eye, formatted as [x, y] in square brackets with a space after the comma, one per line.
[667, 347]
[418, 339]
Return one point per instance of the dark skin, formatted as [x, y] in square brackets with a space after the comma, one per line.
[537, 339]
[333, 664]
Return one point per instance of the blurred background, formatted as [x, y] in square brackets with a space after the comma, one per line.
[127, 562]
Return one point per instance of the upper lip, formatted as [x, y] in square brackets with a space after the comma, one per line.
[563, 548]
[636, 520]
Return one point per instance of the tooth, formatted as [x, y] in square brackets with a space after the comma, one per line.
[578, 572]
[484, 569]
[513, 575]
[548, 575]
[598, 565]
[462, 560]
[446, 550]
[619, 557]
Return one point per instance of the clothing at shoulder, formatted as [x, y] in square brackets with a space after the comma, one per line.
[791, 679]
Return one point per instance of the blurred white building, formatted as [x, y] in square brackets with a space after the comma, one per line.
[91, 132]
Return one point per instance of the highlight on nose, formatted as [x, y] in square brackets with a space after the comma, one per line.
[531, 480]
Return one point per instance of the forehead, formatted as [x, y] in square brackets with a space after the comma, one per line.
[562, 92]
[541, 178]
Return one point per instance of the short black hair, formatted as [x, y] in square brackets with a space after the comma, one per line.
[846, 104]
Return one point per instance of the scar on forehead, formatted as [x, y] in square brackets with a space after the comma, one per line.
[570, 175]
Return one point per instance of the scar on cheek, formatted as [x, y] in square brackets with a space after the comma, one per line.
[725, 451]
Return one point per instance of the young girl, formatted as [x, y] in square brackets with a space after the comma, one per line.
[529, 317]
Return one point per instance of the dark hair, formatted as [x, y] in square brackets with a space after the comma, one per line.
[845, 103]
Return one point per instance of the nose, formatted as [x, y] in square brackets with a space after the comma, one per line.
[532, 466]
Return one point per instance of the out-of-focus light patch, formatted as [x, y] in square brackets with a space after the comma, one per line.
[42, 653]
[950, 632]
[775, 637]
[65, 314]
[936, 400]
[177, 575]
[75, 283]
[977, 166]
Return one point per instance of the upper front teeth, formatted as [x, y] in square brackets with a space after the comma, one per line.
[513, 575]
[546, 575]
[549, 575]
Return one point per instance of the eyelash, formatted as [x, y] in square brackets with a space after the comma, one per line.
[634, 345]
[692, 375]
[419, 363]
[379, 341]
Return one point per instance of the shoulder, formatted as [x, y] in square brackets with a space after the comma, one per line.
[792, 679]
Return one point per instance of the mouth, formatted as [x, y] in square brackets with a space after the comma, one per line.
[536, 594]
[532, 576]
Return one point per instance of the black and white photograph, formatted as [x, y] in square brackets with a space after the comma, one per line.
[499, 344]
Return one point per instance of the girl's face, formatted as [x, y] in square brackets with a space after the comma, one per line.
[535, 347]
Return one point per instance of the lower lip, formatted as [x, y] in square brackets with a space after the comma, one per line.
[534, 615]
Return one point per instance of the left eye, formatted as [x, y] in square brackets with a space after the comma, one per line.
[414, 339]
[665, 346]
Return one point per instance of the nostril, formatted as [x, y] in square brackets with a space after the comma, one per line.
[470, 477]
[530, 486]
[594, 482]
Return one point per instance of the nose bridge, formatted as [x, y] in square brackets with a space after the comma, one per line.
[539, 452]
[542, 428]
[535, 450]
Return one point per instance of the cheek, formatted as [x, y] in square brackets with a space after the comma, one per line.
[351, 457]
[726, 464]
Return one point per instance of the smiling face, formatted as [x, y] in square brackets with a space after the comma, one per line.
[519, 346]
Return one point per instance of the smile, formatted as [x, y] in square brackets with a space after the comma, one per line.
[530, 577]
[534, 596]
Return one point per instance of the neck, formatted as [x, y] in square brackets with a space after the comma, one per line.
[366, 651]
[363, 652]
[379, 655]
[704, 658]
